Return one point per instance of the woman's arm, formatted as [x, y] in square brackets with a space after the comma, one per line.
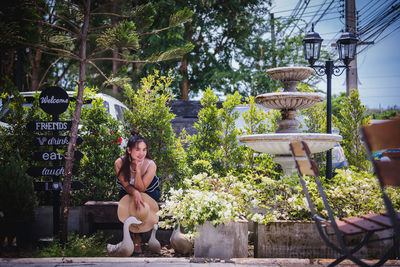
[142, 181]
[131, 190]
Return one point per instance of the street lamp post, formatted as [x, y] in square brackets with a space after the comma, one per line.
[346, 47]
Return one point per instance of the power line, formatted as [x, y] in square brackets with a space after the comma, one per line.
[302, 10]
[310, 14]
[324, 12]
[282, 11]
[379, 17]
[369, 2]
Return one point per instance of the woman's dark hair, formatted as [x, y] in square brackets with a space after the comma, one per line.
[126, 160]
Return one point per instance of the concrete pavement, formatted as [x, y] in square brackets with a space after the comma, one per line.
[180, 262]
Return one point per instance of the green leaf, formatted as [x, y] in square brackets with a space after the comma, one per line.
[181, 17]
[172, 53]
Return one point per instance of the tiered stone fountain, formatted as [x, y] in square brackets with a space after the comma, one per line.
[288, 102]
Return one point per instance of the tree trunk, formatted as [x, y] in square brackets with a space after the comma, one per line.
[35, 63]
[69, 158]
[114, 69]
[185, 86]
[115, 51]
[185, 82]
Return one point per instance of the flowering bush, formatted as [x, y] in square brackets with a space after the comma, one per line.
[220, 199]
[195, 207]
[354, 192]
[350, 193]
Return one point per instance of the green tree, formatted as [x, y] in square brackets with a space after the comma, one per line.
[353, 114]
[232, 155]
[21, 65]
[150, 115]
[206, 143]
[101, 146]
[315, 121]
[233, 46]
[71, 36]
[336, 104]
[258, 121]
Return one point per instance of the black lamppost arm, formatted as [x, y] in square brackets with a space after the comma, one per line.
[329, 69]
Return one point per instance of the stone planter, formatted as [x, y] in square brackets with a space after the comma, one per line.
[289, 239]
[223, 241]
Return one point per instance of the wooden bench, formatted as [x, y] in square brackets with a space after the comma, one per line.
[379, 137]
[100, 215]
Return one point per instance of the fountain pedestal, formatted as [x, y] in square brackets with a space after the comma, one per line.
[288, 123]
[288, 102]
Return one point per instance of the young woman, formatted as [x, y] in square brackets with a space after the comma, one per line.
[136, 172]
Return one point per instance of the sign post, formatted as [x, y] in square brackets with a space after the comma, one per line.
[54, 101]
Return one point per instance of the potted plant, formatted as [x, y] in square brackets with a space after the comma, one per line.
[210, 216]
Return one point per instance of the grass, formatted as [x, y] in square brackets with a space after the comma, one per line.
[77, 246]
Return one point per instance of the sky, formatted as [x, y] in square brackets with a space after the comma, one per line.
[378, 65]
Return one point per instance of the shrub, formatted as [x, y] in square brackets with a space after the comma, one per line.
[150, 115]
[217, 139]
[257, 121]
[101, 147]
[350, 193]
[353, 119]
[232, 156]
[17, 199]
[262, 199]
[194, 207]
[206, 143]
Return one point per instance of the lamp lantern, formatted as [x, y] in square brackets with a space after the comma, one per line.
[312, 46]
[347, 44]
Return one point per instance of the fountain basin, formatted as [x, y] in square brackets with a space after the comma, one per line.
[290, 76]
[278, 143]
[290, 73]
[289, 100]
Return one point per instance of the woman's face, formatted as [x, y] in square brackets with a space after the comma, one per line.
[139, 151]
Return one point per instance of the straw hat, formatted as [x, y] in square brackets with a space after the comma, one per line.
[147, 214]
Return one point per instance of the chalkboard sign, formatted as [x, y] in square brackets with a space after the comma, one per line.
[54, 100]
[48, 140]
[47, 171]
[54, 156]
[54, 186]
[49, 125]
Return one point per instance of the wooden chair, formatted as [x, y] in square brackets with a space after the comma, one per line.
[378, 137]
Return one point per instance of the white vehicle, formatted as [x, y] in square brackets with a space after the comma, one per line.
[113, 106]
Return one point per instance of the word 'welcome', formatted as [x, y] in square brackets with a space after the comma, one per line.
[53, 100]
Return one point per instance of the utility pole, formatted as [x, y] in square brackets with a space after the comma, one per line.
[351, 72]
[273, 39]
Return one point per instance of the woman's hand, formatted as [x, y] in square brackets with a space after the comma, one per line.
[139, 164]
[137, 198]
